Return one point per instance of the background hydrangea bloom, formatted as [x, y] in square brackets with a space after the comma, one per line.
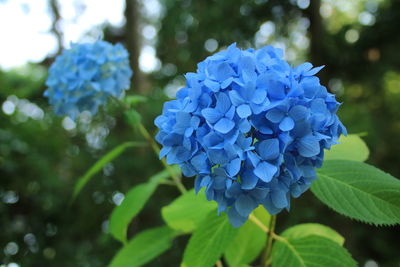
[84, 76]
[251, 128]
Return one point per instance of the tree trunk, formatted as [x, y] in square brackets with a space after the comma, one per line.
[133, 42]
[54, 7]
[317, 37]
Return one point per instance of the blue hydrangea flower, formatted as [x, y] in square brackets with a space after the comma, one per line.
[251, 128]
[84, 76]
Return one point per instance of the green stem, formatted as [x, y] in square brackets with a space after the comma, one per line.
[266, 259]
[156, 149]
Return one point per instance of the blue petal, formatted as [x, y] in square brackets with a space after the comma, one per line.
[306, 66]
[298, 113]
[259, 96]
[233, 167]
[279, 199]
[233, 190]
[319, 106]
[286, 124]
[224, 125]
[260, 193]
[275, 115]
[276, 89]
[200, 162]
[253, 158]
[214, 86]
[188, 170]
[244, 126]
[314, 71]
[224, 71]
[194, 122]
[211, 115]
[164, 151]
[213, 140]
[308, 146]
[219, 183]
[268, 149]
[243, 111]
[205, 181]
[235, 219]
[217, 156]
[265, 171]
[227, 83]
[270, 207]
[249, 181]
[236, 98]
[245, 205]
[223, 103]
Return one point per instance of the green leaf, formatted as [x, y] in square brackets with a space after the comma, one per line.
[307, 229]
[134, 99]
[311, 250]
[187, 211]
[351, 147]
[144, 247]
[262, 215]
[133, 117]
[132, 204]
[359, 191]
[98, 166]
[246, 245]
[209, 241]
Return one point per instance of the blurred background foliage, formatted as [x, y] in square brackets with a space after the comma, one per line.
[41, 156]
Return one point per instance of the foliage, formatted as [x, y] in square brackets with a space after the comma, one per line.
[40, 160]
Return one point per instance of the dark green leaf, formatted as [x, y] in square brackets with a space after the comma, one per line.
[98, 166]
[144, 247]
[187, 211]
[209, 241]
[132, 204]
[359, 191]
[308, 251]
[351, 147]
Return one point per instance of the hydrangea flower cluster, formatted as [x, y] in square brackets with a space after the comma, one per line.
[251, 128]
[84, 76]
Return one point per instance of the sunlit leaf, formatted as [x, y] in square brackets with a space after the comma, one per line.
[359, 191]
[187, 211]
[307, 229]
[351, 147]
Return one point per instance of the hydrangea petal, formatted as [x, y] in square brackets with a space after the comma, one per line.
[265, 171]
[243, 111]
[308, 146]
[211, 115]
[224, 125]
[245, 205]
[286, 124]
[275, 115]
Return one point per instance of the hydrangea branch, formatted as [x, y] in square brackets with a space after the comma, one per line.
[156, 149]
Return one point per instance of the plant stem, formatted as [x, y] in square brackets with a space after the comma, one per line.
[270, 236]
[156, 149]
[257, 222]
[219, 264]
